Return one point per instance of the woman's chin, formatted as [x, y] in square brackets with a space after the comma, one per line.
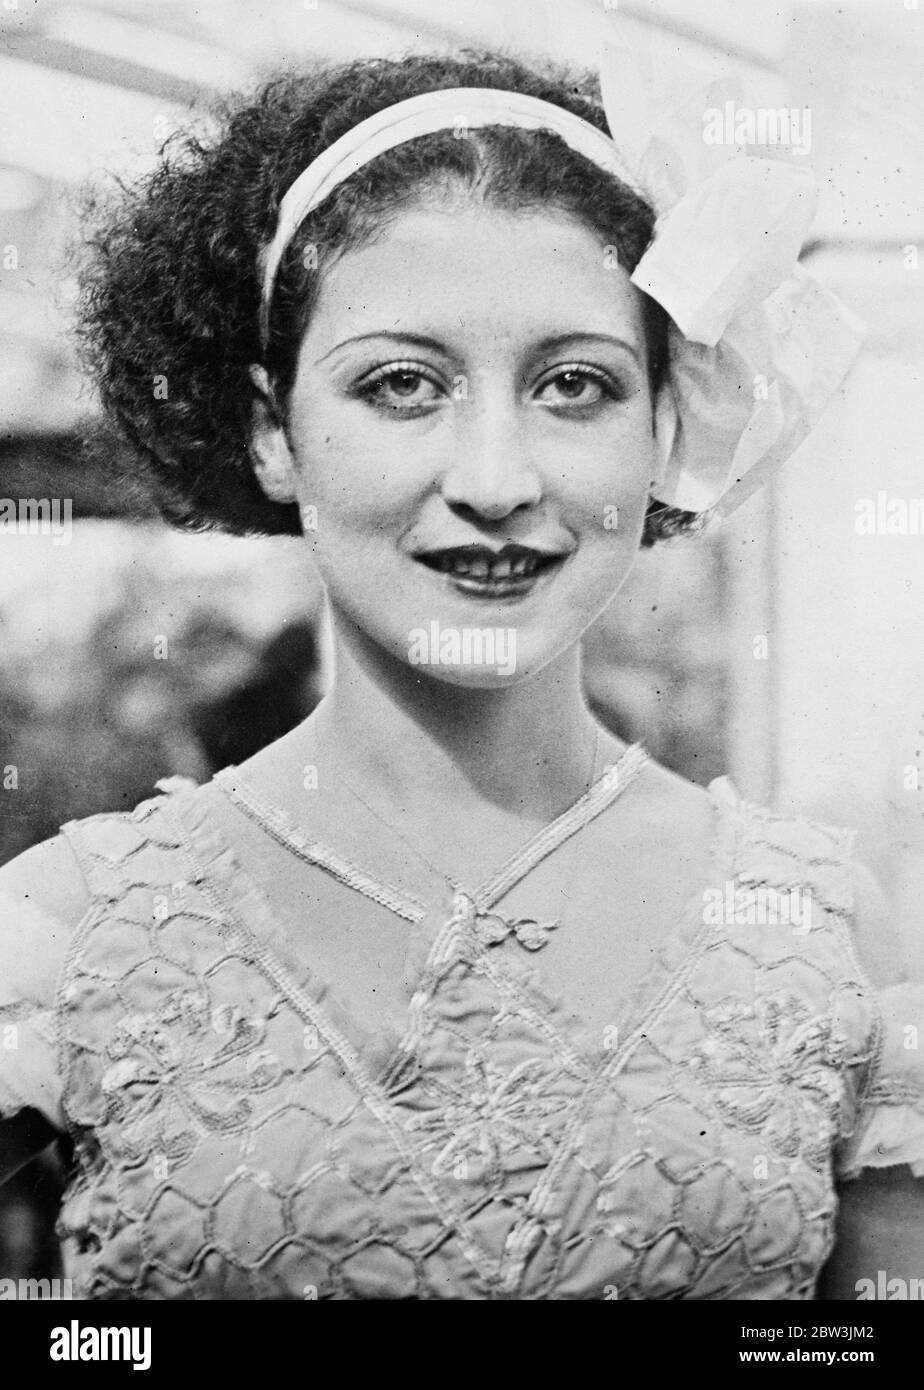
[469, 678]
[479, 658]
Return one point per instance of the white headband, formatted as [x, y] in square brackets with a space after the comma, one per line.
[756, 346]
[450, 108]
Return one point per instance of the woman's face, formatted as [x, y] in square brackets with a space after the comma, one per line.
[474, 382]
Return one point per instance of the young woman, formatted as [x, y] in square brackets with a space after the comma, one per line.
[441, 995]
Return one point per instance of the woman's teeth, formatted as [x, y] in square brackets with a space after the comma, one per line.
[479, 567]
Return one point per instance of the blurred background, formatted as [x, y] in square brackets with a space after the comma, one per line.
[784, 648]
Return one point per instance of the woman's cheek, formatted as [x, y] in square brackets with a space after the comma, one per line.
[612, 485]
[346, 485]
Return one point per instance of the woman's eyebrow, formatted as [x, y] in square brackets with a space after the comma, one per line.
[420, 340]
[414, 339]
[560, 340]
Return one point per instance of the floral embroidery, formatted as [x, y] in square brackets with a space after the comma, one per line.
[494, 1113]
[782, 1081]
[164, 1092]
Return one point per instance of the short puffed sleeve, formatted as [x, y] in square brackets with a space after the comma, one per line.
[34, 939]
[889, 1128]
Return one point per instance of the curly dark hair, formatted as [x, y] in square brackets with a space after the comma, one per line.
[170, 292]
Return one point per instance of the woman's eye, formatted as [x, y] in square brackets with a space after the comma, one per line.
[400, 389]
[577, 386]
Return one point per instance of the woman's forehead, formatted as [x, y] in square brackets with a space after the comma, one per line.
[465, 269]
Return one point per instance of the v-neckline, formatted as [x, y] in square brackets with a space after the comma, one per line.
[245, 904]
[604, 790]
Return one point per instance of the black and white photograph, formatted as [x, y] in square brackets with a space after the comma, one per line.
[462, 660]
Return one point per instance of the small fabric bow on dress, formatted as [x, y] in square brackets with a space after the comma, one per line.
[493, 927]
[487, 926]
[756, 346]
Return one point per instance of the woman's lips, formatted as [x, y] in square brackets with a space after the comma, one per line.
[480, 573]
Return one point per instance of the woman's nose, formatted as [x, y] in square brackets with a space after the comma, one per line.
[491, 471]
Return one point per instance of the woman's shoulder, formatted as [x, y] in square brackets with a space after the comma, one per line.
[47, 891]
[791, 847]
[51, 896]
[766, 846]
[43, 896]
[852, 931]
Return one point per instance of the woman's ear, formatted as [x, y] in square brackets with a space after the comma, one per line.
[269, 449]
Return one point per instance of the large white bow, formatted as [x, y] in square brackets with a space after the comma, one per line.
[757, 346]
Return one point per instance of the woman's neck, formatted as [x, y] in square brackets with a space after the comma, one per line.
[405, 738]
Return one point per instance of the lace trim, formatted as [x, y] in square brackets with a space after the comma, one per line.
[285, 833]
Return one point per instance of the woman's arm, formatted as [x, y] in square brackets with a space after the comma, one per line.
[22, 1138]
[880, 1237]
